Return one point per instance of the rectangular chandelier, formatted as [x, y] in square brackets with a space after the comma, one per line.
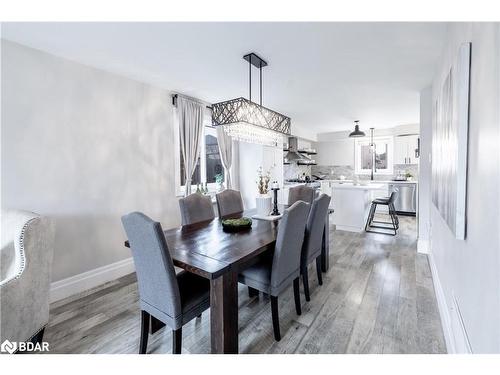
[250, 122]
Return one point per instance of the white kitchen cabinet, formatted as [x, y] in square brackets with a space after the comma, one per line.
[404, 149]
[325, 188]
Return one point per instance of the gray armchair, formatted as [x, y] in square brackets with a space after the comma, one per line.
[229, 202]
[313, 240]
[273, 275]
[172, 299]
[26, 253]
[195, 208]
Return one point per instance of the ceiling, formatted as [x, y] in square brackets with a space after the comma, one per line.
[323, 75]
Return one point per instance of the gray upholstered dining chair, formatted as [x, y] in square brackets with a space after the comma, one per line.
[170, 298]
[301, 193]
[195, 208]
[229, 202]
[272, 275]
[26, 253]
[313, 240]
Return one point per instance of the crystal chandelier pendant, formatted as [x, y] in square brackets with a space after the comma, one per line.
[247, 121]
[253, 134]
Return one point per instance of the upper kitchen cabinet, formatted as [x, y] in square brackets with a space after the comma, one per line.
[406, 149]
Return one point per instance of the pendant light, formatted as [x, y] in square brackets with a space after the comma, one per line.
[247, 121]
[356, 133]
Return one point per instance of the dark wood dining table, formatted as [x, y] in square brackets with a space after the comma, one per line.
[205, 249]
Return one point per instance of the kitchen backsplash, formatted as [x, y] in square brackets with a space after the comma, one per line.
[292, 170]
[333, 172]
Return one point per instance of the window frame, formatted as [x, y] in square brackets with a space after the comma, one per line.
[390, 155]
[180, 189]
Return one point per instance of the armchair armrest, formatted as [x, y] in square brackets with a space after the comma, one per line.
[24, 292]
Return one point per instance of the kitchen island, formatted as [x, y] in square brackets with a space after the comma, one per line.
[351, 204]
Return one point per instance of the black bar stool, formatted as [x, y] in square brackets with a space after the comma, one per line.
[393, 225]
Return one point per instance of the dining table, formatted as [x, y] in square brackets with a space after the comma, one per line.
[208, 250]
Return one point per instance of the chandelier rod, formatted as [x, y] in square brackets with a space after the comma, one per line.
[260, 71]
[250, 78]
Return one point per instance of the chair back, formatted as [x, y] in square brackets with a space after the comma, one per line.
[229, 202]
[195, 208]
[313, 237]
[300, 193]
[158, 288]
[393, 196]
[286, 261]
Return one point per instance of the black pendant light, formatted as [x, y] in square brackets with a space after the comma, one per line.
[356, 133]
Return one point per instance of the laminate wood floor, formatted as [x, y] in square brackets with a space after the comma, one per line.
[377, 297]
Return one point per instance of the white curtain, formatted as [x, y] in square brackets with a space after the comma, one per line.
[190, 114]
[226, 153]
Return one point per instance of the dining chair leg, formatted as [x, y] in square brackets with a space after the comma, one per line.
[252, 292]
[396, 219]
[370, 216]
[144, 332]
[38, 338]
[305, 281]
[296, 294]
[276, 318]
[177, 341]
[318, 270]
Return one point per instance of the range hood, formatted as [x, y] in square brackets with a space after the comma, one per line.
[293, 154]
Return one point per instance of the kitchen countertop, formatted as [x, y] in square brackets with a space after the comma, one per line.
[371, 182]
[371, 186]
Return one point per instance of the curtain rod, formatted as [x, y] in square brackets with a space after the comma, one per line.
[174, 101]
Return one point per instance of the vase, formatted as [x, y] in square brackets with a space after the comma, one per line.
[264, 204]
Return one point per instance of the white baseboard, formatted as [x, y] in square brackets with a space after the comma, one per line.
[423, 246]
[90, 279]
[455, 334]
[444, 312]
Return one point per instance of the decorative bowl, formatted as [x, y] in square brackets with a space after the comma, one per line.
[235, 225]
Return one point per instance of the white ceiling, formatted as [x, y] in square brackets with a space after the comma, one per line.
[322, 75]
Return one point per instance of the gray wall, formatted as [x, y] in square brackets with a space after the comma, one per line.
[469, 270]
[84, 146]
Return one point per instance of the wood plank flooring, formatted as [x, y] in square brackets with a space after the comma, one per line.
[377, 297]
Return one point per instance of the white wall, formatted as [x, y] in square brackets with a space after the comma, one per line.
[303, 132]
[425, 173]
[469, 271]
[84, 146]
[251, 157]
[335, 152]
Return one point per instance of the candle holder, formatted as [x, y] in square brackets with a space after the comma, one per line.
[275, 206]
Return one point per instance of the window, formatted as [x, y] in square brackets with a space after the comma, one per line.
[383, 156]
[213, 162]
[209, 165]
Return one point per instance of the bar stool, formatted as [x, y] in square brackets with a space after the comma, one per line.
[393, 225]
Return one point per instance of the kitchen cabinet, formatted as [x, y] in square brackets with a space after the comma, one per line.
[404, 149]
